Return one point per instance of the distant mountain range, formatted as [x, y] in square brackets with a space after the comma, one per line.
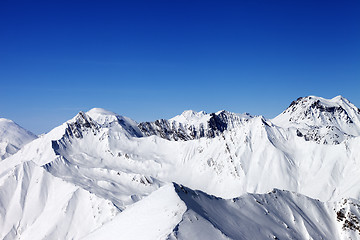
[195, 176]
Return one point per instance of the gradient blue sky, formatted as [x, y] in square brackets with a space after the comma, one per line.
[154, 59]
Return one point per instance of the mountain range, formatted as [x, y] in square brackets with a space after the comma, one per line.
[195, 176]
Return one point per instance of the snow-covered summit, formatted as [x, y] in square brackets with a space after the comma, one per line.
[102, 116]
[178, 212]
[107, 118]
[190, 116]
[12, 137]
[193, 125]
[315, 111]
[93, 169]
[323, 120]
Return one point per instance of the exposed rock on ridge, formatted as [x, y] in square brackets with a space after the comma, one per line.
[207, 125]
[325, 121]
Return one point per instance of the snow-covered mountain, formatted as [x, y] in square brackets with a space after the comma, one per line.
[177, 212]
[101, 175]
[193, 125]
[328, 121]
[12, 138]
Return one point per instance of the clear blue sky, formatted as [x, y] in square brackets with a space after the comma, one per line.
[154, 59]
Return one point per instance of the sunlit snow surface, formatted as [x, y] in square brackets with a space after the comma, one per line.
[103, 176]
[12, 138]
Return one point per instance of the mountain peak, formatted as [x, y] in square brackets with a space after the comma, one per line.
[101, 168]
[315, 112]
[102, 116]
[100, 111]
[9, 127]
[108, 118]
[339, 98]
[190, 116]
[314, 101]
[5, 120]
[12, 137]
[192, 113]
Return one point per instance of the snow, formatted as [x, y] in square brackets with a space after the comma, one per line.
[152, 218]
[191, 117]
[99, 176]
[278, 214]
[36, 205]
[106, 118]
[314, 111]
[177, 212]
[325, 121]
[12, 138]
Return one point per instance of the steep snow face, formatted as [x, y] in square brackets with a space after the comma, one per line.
[108, 156]
[328, 121]
[125, 169]
[193, 125]
[36, 205]
[191, 117]
[274, 215]
[106, 119]
[317, 111]
[154, 217]
[12, 138]
[99, 158]
[253, 156]
[177, 212]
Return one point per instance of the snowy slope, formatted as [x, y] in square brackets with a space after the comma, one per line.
[193, 125]
[154, 217]
[328, 121]
[317, 111]
[253, 156]
[36, 205]
[12, 138]
[120, 164]
[177, 212]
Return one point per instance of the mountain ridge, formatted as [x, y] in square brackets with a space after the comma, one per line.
[12, 137]
[115, 163]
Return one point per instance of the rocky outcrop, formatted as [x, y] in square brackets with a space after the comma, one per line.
[208, 125]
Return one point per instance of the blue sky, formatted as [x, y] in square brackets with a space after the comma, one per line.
[154, 59]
